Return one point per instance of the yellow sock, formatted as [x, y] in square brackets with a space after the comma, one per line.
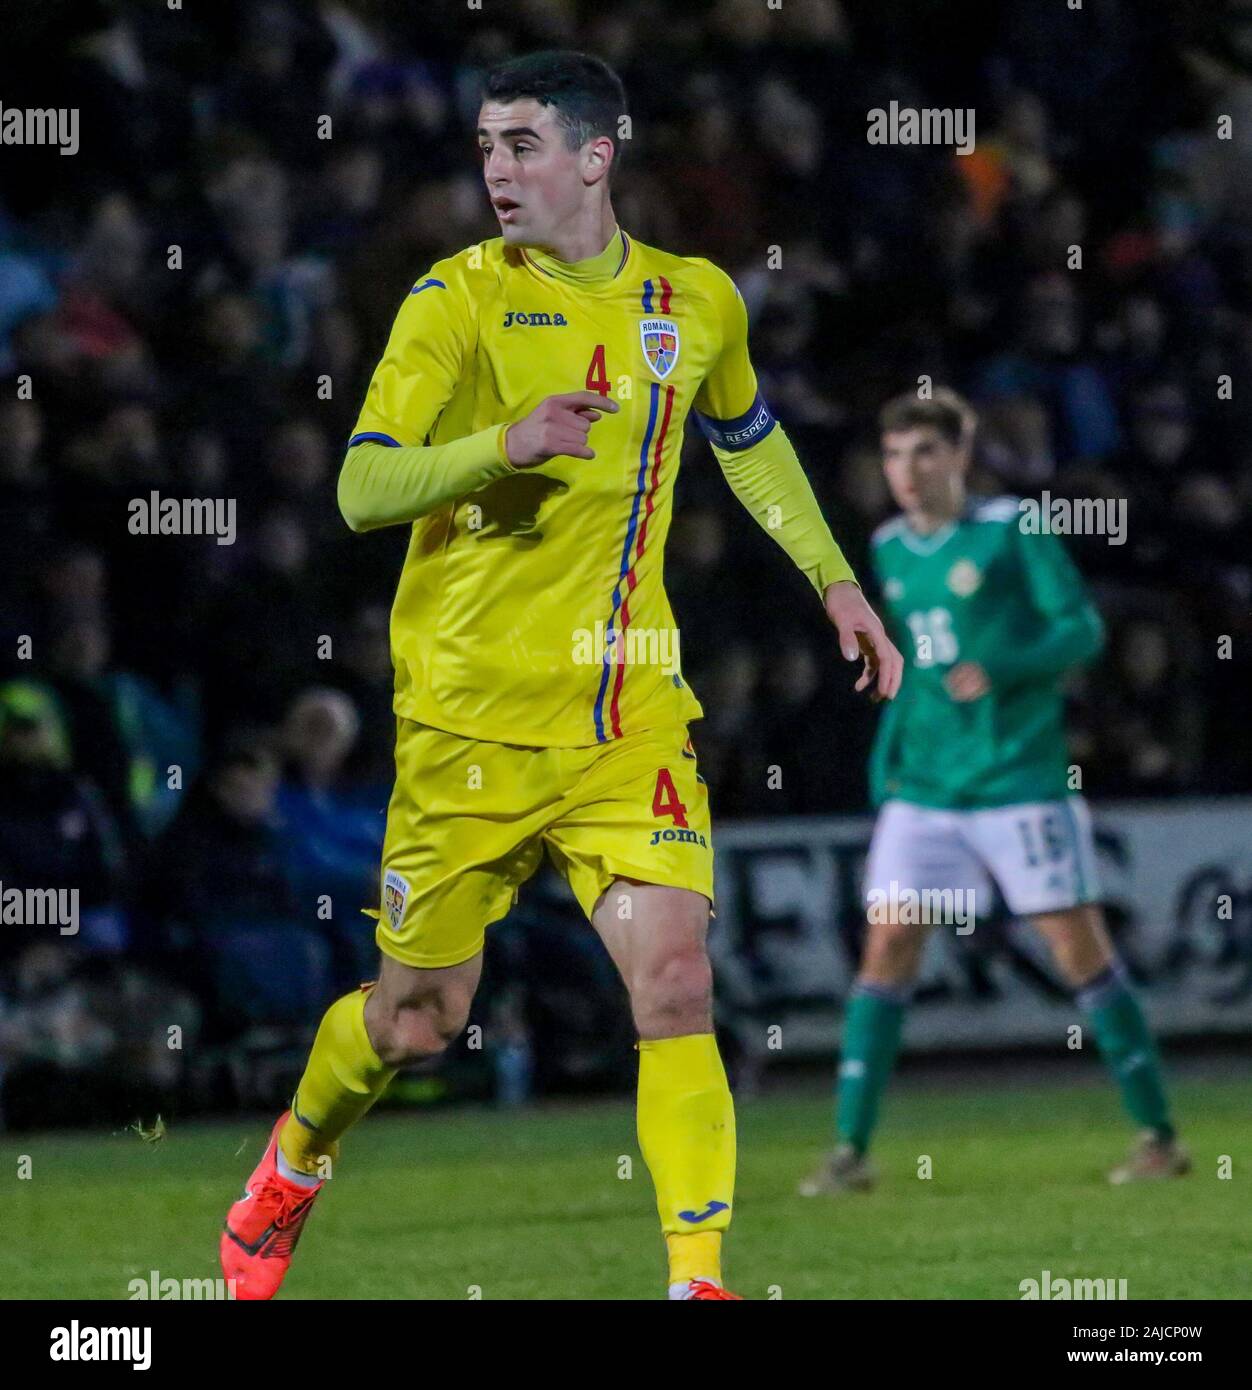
[342, 1079]
[695, 1255]
[687, 1136]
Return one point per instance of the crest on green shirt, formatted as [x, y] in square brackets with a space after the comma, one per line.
[964, 578]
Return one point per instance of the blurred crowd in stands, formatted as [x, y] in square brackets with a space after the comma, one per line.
[198, 736]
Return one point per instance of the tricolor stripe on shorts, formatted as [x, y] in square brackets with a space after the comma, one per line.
[654, 438]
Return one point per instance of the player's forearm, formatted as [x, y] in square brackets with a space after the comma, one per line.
[1072, 640]
[770, 482]
[385, 485]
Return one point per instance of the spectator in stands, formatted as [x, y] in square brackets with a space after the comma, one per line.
[334, 841]
[1152, 737]
[138, 746]
[220, 882]
[363, 672]
[87, 1041]
[224, 858]
[56, 830]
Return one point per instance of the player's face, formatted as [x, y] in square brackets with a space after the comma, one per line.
[534, 180]
[924, 471]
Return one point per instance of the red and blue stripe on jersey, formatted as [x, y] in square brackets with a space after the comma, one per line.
[634, 546]
[660, 410]
[649, 291]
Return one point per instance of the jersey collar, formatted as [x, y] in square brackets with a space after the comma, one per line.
[926, 543]
[590, 274]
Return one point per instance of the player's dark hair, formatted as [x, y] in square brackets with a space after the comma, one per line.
[585, 93]
[950, 414]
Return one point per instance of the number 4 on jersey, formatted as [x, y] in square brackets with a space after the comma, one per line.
[665, 800]
[597, 372]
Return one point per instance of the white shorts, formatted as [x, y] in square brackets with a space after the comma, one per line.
[1041, 855]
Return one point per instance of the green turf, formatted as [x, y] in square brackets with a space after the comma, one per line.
[530, 1205]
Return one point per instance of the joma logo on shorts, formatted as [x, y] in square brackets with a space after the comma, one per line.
[683, 837]
[534, 320]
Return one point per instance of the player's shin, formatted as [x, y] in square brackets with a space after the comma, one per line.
[871, 1040]
[342, 1079]
[686, 1124]
[1126, 1044]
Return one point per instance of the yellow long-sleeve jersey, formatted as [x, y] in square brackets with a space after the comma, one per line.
[531, 608]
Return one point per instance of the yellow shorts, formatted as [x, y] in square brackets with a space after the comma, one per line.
[468, 822]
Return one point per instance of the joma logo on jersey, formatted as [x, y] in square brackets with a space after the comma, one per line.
[523, 320]
[660, 344]
[683, 837]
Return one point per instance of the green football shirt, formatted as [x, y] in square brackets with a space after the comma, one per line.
[980, 590]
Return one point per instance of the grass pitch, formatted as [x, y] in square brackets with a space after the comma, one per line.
[530, 1205]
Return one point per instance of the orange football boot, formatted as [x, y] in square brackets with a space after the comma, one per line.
[705, 1290]
[263, 1226]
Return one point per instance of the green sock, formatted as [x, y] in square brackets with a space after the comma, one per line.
[871, 1039]
[1128, 1049]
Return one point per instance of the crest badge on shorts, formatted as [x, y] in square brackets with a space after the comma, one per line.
[395, 896]
[660, 345]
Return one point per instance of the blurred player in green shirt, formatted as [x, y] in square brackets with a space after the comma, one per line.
[970, 777]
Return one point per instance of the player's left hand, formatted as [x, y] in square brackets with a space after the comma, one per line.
[967, 681]
[861, 634]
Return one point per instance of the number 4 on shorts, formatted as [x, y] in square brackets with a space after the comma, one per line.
[665, 800]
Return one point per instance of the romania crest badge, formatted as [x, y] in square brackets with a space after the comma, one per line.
[660, 345]
[395, 896]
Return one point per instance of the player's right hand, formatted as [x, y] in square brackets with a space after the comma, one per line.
[862, 635]
[558, 425]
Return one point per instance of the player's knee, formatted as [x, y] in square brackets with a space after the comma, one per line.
[414, 1032]
[674, 996]
[892, 953]
[1078, 958]
[1066, 952]
[1079, 945]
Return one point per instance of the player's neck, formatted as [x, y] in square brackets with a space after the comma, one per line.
[585, 240]
[931, 519]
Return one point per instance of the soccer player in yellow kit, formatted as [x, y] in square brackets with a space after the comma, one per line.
[539, 700]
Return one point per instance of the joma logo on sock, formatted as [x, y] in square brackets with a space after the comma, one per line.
[1061, 1289]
